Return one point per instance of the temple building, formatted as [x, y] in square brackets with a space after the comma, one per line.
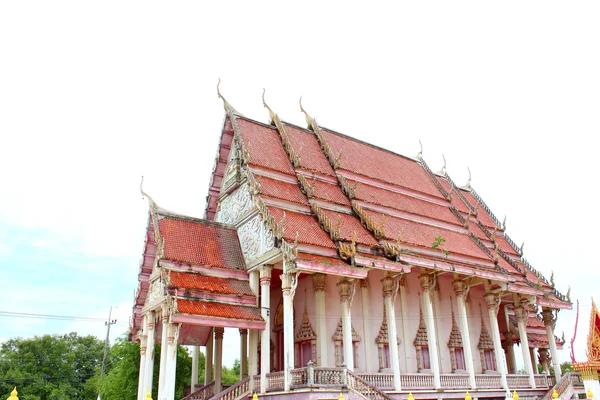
[345, 267]
[590, 369]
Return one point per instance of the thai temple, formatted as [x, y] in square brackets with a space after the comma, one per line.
[346, 269]
[590, 369]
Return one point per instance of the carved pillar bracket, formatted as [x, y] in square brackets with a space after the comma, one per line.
[390, 287]
[319, 282]
[346, 288]
[492, 302]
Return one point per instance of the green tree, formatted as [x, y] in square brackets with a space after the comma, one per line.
[50, 367]
[122, 373]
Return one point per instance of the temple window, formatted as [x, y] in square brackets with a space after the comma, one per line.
[457, 354]
[486, 350]
[338, 340]
[383, 345]
[306, 342]
[421, 345]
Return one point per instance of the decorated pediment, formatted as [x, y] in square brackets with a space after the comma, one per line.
[338, 336]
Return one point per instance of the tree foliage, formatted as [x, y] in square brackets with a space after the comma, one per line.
[50, 367]
[122, 373]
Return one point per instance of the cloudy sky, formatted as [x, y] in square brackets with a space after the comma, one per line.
[93, 95]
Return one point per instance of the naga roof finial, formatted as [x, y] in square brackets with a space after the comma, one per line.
[443, 170]
[504, 224]
[420, 153]
[308, 118]
[228, 107]
[272, 115]
[521, 248]
[468, 185]
[144, 194]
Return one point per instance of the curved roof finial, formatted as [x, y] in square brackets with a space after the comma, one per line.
[468, 185]
[272, 115]
[442, 171]
[504, 224]
[228, 107]
[308, 118]
[420, 154]
[144, 194]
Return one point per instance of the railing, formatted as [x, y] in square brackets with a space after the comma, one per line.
[329, 377]
[242, 388]
[454, 381]
[380, 381]
[568, 380]
[299, 377]
[204, 393]
[517, 381]
[256, 379]
[370, 392]
[416, 381]
[488, 381]
[275, 381]
[543, 381]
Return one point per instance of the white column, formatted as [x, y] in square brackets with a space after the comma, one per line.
[265, 343]
[544, 359]
[408, 344]
[195, 360]
[522, 315]
[461, 289]
[142, 377]
[162, 373]
[244, 353]
[364, 294]
[390, 288]
[218, 358]
[493, 304]
[172, 344]
[253, 334]
[533, 359]
[289, 281]
[427, 288]
[321, 320]
[149, 369]
[550, 321]
[208, 361]
[346, 288]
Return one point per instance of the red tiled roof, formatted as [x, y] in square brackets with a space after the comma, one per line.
[307, 226]
[424, 235]
[307, 147]
[220, 310]
[194, 242]
[195, 281]
[387, 198]
[482, 215]
[456, 201]
[505, 246]
[534, 322]
[367, 160]
[350, 224]
[264, 145]
[322, 259]
[331, 193]
[473, 227]
[282, 190]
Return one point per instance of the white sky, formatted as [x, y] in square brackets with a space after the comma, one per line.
[93, 95]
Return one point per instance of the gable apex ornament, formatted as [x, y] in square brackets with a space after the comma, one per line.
[228, 107]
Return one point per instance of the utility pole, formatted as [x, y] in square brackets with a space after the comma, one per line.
[106, 343]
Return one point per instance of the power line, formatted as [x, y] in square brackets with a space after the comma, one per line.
[48, 316]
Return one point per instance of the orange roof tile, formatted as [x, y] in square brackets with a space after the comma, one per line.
[482, 215]
[281, 190]
[220, 310]
[414, 233]
[387, 198]
[350, 224]
[307, 226]
[307, 147]
[371, 161]
[264, 145]
[195, 281]
[206, 244]
[331, 193]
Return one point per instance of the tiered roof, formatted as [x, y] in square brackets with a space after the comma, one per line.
[356, 205]
[200, 270]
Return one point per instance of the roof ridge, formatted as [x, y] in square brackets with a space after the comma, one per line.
[170, 214]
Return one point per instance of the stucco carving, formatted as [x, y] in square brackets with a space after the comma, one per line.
[255, 238]
[235, 206]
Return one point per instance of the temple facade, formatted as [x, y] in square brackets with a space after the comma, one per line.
[344, 266]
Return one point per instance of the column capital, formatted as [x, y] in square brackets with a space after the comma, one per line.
[549, 317]
[173, 334]
[364, 283]
[289, 282]
[219, 332]
[243, 331]
[461, 288]
[543, 356]
[150, 318]
[492, 301]
[346, 288]
[265, 274]
[427, 282]
[521, 313]
[389, 286]
[319, 282]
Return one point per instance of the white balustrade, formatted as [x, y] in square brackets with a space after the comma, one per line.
[454, 381]
[488, 381]
[416, 381]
